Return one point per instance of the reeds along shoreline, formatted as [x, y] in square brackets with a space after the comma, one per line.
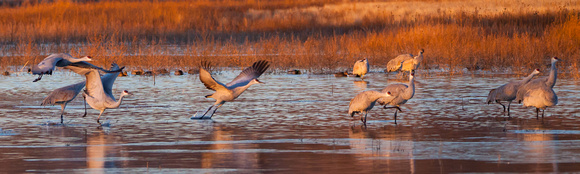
[300, 35]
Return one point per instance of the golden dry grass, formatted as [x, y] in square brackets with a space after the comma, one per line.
[317, 35]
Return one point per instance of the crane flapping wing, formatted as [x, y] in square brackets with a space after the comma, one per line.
[94, 86]
[250, 73]
[47, 65]
[207, 79]
[108, 80]
[83, 68]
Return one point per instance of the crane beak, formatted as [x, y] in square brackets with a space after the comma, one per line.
[259, 81]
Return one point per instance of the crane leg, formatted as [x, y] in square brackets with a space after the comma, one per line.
[509, 104]
[497, 101]
[537, 111]
[203, 115]
[100, 117]
[62, 106]
[215, 109]
[37, 79]
[85, 101]
[396, 107]
[543, 113]
[396, 115]
[365, 118]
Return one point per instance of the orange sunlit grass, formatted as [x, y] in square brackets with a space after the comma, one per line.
[321, 36]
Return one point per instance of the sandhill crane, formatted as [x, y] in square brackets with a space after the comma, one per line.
[405, 62]
[68, 93]
[401, 93]
[539, 92]
[47, 65]
[361, 67]
[507, 92]
[98, 93]
[63, 96]
[365, 101]
[230, 91]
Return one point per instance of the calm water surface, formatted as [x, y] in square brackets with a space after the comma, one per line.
[290, 124]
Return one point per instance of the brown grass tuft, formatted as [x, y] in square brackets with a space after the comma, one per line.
[320, 36]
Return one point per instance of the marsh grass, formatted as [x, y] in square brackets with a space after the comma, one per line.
[320, 36]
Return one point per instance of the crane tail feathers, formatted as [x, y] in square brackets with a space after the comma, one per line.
[491, 96]
[352, 113]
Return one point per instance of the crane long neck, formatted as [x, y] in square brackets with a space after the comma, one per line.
[118, 103]
[375, 95]
[410, 91]
[528, 78]
[239, 90]
[419, 57]
[553, 75]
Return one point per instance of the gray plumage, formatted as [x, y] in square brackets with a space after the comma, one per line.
[401, 93]
[507, 92]
[539, 92]
[365, 101]
[49, 63]
[405, 62]
[98, 93]
[230, 91]
[63, 96]
[108, 80]
[360, 68]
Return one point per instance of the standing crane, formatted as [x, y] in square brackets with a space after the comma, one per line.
[401, 94]
[507, 92]
[539, 92]
[361, 67]
[365, 101]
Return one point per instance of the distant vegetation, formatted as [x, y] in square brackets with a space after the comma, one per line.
[317, 35]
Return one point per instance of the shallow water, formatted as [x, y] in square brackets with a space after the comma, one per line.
[290, 124]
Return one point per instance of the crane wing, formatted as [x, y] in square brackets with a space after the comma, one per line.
[47, 65]
[358, 65]
[94, 86]
[395, 64]
[395, 89]
[250, 73]
[83, 68]
[208, 80]
[109, 78]
[63, 94]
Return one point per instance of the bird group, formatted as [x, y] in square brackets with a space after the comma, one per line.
[538, 93]
[98, 88]
[392, 96]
